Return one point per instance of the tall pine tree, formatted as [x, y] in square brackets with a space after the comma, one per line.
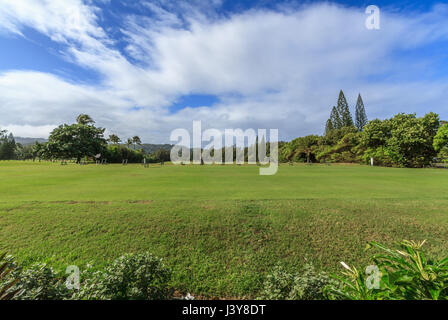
[7, 146]
[360, 116]
[328, 126]
[344, 111]
[335, 119]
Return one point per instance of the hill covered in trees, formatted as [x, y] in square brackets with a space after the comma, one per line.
[153, 148]
[29, 141]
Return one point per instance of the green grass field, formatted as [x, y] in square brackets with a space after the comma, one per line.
[220, 228]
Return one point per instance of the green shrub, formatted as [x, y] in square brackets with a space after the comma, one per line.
[332, 137]
[305, 285]
[40, 282]
[130, 277]
[161, 155]
[118, 153]
[405, 140]
[379, 156]
[405, 274]
[8, 289]
[347, 150]
[443, 156]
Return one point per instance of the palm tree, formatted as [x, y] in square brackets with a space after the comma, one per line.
[114, 139]
[84, 119]
[129, 142]
[136, 141]
[308, 145]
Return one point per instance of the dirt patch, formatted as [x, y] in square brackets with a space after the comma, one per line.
[140, 201]
[81, 202]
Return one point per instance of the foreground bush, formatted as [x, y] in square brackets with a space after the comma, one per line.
[40, 282]
[130, 277]
[305, 285]
[7, 283]
[405, 274]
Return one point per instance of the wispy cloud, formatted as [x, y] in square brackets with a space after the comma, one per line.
[270, 68]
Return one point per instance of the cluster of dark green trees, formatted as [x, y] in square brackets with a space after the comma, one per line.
[341, 117]
[402, 141]
[11, 150]
[8, 146]
[81, 141]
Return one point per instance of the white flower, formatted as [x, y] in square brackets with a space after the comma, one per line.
[188, 297]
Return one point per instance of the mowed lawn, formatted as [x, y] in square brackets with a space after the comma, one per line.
[220, 228]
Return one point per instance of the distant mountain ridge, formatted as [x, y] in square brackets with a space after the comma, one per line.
[151, 148]
[27, 141]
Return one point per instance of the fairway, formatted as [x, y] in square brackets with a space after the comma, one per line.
[220, 228]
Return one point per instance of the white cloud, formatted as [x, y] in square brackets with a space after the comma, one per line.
[62, 21]
[26, 131]
[34, 98]
[271, 69]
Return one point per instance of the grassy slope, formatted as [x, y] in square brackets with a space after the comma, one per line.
[220, 227]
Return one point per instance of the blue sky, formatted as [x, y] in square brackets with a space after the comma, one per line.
[149, 67]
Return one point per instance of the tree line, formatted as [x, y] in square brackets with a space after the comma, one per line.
[81, 141]
[404, 140]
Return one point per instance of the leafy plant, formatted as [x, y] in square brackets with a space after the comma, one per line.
[441, 142]
[305, 285]
[405, 140]
[405, 274]
[40, 282]
[130, 277]
[7, 290]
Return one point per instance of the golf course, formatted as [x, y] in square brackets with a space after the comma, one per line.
[220, 228]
